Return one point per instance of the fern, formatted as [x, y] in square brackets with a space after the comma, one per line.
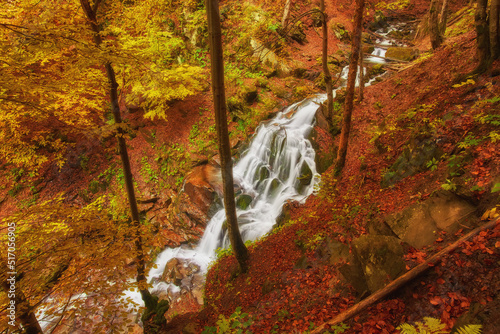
[435, 326]
[470, 329]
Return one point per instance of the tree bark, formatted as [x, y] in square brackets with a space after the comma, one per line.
[402, 280]
[434, 28]
[326, 71]
[351, 82]
[483, 38]
[361, 74]
[443, 18]
[286, 13]
[217, 67]
[149, 301]
[494, 27]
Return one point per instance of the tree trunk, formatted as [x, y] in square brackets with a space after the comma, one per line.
[351, 82]
[149, 301]
[361, 74]
[434, 28]
[24, 312]
[216, 55]
[483, 38]
[326, 71]
[443, 18]
[494, 26]
[286, 13]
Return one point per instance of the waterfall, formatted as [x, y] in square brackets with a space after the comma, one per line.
[278, 166]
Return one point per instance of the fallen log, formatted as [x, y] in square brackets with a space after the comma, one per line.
[402, 280]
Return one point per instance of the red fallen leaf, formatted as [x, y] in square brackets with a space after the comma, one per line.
[415, 295]
[497, 244]
[435, 300]
[439, 239]
[440, 281]
[445, 316]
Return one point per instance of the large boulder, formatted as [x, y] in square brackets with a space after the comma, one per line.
[373, 262]
[417, 224]
[381, 258]
[338, 254]
[414, 225]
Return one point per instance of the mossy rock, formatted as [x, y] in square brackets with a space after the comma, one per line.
[379, 21]
[298, 34]
[376, 69]
[301, 92]
[243, 201]
[402, 53]
[305, 174]
[412, 160]
[368, 49]
[340, 32]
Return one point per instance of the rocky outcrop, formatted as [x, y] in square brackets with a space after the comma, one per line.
[201, 187]
[417, 225]
[381, 259]
[412, 160]
[374, 260]
[271, 59]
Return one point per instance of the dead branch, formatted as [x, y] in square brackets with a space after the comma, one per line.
[402, 280]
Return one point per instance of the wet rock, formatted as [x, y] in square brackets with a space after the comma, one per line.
[305, 175]
[200, 189]
[243, 201]
[171, 274]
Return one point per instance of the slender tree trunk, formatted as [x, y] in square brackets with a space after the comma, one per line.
[286, 13]
[149, 301]
[443, 18]
[351, 82]
[483, 39]
[494, 26]
[361, 74]
[434, 28]
[326, 71]
[216, 54]
[24, 311]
